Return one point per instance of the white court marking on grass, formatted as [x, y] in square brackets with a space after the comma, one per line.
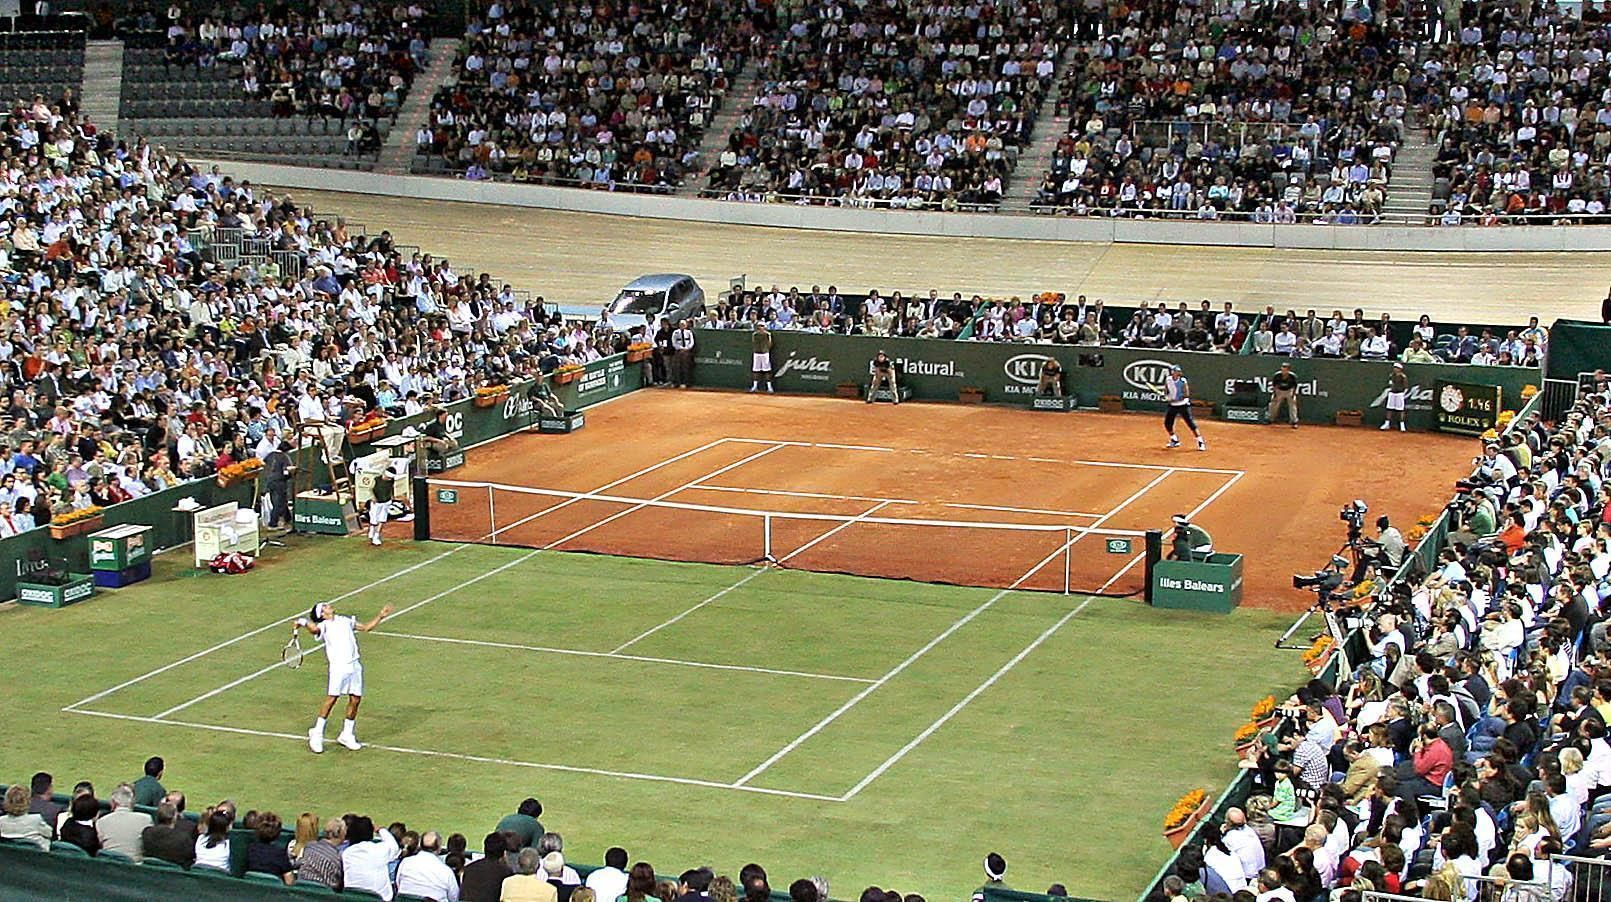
[967, 618]
[657, 628]
[301, 738]
[413, 607]
[644, 659]
[262, 629]
[1192, 514]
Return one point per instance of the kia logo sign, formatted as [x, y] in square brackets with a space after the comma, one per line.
[1147, 375]
[1025, 368]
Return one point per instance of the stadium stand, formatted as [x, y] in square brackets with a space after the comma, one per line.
[902, 105]
[321, 85]
[1516, 104]
[558, 95]
[199, 321]
[1459, 752]
[1052, 318]
[1265, 112]
[45, 64]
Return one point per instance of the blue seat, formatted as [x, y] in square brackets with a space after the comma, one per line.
[68, 849]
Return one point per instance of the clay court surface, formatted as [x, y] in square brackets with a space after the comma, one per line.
[981, 496]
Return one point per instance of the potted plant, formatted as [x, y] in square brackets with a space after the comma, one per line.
[367, 429]
[639, 351]
[971, 394]
[490, 395]
[1263, 713]
[54, 587]
[568, 372]
[1245, 736]
[1110, 404]
[1178, 823]
[1350, 418]
[245, 471]
[72, 523]
[1319, 654]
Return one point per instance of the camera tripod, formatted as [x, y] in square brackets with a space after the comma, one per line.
[1353, 550]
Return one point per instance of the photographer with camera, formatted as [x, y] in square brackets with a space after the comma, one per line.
[1390, 545]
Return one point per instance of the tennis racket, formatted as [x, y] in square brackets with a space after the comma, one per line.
[291, 654]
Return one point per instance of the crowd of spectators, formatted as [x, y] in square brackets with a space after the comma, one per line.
[332, 59]
[900, 104]
[131, 362]
[598, 96]
[1053, 318]
[1465, 743]
[518, 860]
[1516, 98]
[1268, 112]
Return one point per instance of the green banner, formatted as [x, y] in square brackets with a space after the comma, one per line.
[1007, 373]
[1213, 585]
[1468, 408]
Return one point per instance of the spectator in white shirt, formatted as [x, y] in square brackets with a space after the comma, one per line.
[609, 882]
[366, 862]
[421, 873]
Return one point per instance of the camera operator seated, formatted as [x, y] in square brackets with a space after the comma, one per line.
[1390, 545]
[883, 373]
[1051, 379]
[1493, 468]
[543, 399]
[1190, 542]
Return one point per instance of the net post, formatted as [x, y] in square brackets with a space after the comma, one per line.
[492, 514]
[1068, 559]
[1154, 539]
[766, 539]
[422, 509]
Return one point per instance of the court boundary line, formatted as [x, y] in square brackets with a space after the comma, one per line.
[476, 759]
[642, 659]
[655, 629]
[947, 633]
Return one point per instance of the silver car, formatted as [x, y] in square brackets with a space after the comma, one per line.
[647, 300]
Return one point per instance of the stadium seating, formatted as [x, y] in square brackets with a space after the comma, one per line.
[903, 105]
[588, 102]
[43, 63]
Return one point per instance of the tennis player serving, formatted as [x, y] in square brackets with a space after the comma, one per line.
[1177, 395]
[340, 635]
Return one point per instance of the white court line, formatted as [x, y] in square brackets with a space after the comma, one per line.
[963, 621]
[655, 629]
[930, 730]
[749, 491]
[605, 487]
[415, 606]
[617, 657]
[478, 759]
[1045, 460]
[851, 522]
[1189, 516]
[262, 629]
[1022, 510]
[662, 496]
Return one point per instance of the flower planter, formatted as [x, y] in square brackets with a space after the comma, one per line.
[847, 390]
[365, 435]
[227, 480]
[78, 587]
[1110, 404]
[75, 528]
[1319, 664]
[971, 395]
[638, 356]
[492, 400]
[561, 377]
[1350, 418]
[1177, 835]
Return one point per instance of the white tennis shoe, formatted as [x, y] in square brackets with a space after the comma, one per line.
[349, 741]
[316, 741]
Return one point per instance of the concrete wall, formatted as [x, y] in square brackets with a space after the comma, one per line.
[962, 225]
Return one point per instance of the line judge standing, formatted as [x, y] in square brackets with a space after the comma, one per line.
[1285, 392]
[682, 354]
[761, 357]
[1398, 390]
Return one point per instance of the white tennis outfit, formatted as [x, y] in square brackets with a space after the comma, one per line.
[340, 635]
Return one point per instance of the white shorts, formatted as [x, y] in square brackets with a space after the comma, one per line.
[379, 511]
[761, 363]
[347, 682]
[1395, 400]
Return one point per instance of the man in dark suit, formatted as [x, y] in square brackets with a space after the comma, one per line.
[166, 840]
[277, 471]
[42, 787]
[483, 879]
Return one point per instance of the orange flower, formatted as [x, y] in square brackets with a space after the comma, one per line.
[74, 516]
[1318, 650]
[1264, 708]
[1183, 809]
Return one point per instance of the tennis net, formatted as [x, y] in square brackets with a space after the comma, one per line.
[873, 542]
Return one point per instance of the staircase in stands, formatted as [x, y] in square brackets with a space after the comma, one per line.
[398, 154]
[1409, 191]
[740, 94]
[103, 83]
[1024, 183]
